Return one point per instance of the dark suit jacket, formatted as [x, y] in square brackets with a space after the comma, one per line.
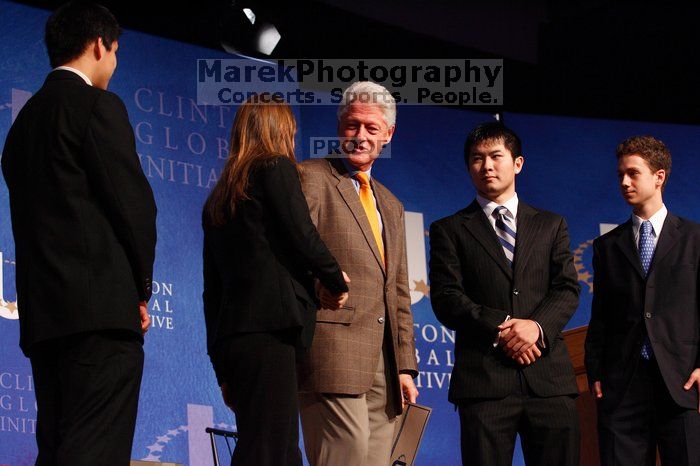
[83, 214]
[473, 289]
[626, 307]
[259, 267]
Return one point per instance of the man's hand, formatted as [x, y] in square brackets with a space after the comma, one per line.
[330, 300]
[694, 379]
[145, 318]
[521, 334]
[527, 357]
[226, 395]
[597, 390]
[408, 389]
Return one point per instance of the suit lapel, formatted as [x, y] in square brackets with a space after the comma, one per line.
[525, 236]
[669, 237]
[478, 225]
[626, 244]
[352, 199]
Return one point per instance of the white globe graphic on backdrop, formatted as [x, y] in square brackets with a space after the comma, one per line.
[8, 310]
[415, 251]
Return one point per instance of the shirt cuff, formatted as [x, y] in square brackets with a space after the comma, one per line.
[498, 336]
[541, 340]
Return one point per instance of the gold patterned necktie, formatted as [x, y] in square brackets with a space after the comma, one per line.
[367, 200]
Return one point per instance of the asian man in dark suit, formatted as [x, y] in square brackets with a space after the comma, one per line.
[503, 277]
[642, 353]
[83, 219]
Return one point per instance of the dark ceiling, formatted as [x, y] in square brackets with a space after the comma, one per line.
[585, 58]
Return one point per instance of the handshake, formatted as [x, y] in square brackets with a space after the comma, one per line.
[518, 338]
[331, 300]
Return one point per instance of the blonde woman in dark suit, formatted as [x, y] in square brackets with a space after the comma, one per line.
[261, 253]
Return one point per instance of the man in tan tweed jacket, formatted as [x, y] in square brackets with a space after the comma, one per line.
[359, 371]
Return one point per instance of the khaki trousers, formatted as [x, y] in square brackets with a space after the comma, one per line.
[349, 430]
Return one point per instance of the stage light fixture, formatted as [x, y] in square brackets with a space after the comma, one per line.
[244, 31]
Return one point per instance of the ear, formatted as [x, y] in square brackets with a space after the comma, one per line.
[390, 134]
[519, 162]
[660, 177]
[98, 48]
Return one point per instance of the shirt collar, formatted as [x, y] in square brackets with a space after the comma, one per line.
[657, 220]
[489, 206]
[76, 71]
[352, 170]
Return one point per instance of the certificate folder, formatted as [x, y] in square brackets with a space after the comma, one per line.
[410, 433]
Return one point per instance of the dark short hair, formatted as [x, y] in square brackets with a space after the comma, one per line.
[493, 131]
[653, 151]
[73, 26]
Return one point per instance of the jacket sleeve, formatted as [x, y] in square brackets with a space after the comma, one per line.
[596, 335]
[407, 345]
[115, 171]
[561, 301]
[451, 305]
[286, 199]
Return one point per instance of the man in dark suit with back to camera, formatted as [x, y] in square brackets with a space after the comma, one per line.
[83, 219]
[642, 354]
[502, 276]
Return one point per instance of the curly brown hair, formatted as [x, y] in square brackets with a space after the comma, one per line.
[652, 150]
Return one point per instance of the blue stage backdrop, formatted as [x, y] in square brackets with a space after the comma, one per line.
[569, 168]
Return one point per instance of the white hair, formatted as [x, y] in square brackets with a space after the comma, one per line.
[371, 93]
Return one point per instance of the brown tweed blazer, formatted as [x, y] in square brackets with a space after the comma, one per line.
[348, 342]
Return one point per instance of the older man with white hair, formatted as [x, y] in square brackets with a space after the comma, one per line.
[359, 372]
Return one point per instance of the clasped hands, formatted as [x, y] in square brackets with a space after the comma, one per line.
[332, 300]
[518, 339]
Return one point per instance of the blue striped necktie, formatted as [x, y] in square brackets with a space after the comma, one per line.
[505, 230]
[646, 253]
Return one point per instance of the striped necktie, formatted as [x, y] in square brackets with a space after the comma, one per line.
[505, 230]
[370, 207]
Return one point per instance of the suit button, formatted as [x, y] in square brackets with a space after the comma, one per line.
[380, 320]
[516, 291]
[647, 315]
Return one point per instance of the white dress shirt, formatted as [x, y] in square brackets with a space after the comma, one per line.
[657, 223]
[489, 206]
